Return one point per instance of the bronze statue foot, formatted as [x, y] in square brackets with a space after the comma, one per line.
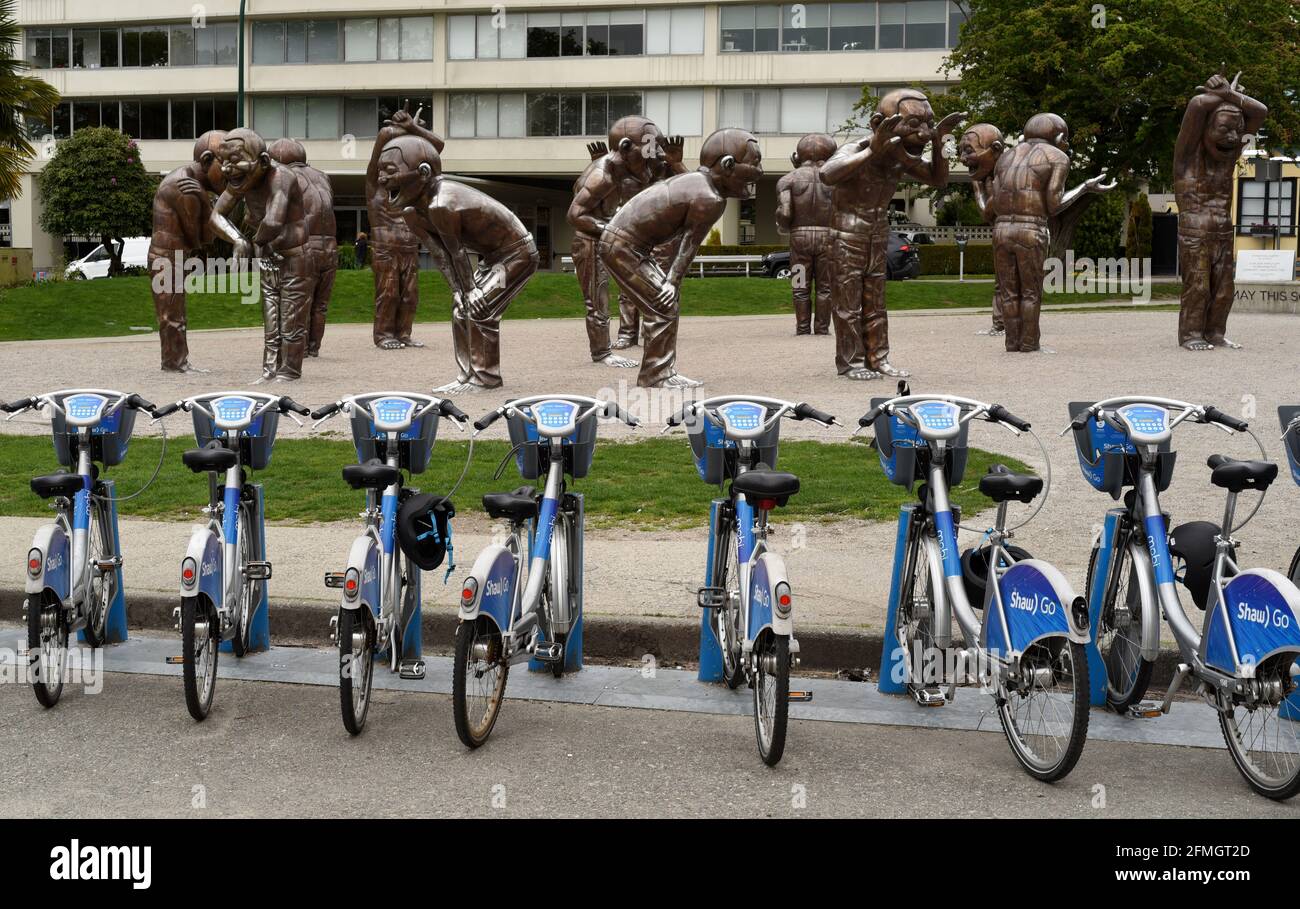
[459, 388]
[1197, 344]
[1231, 345]
[679, 381]
[888, 369]
[186, 367]
[265, 377]
[822, 331]
[992, 332]
[411, 342]
[861, 374]
[619, 362]
[313, 353]
[390, 344]
[281, 377]
[624, 343]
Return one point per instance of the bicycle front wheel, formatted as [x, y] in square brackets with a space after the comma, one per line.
[47, 639]
[914, 623]
[356, 632]
[1263, 741]
[1119, 630]
[726, 618]
[1044, 712]
[771, 696]
[478, 682]
[200, 641]
[103, 587]
[250, 590]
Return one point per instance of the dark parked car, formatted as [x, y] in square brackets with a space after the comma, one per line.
[902, 262]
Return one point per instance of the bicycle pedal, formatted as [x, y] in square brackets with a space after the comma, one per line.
[799, 696]
[1146, 710]
[411, 669]
[334, 579]
[258, 571]
[711, 597]
[174, 660]
[112, 564]
[334, 628]
[548, 652]
[929, 697]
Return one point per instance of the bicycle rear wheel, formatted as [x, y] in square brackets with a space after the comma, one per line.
[771, 695]
[356, 633]
[200, 642]
[1119, 630]
[726, 619]
[47, 638]
[1045, 715]
[1264, 744]
[914, 624]
[478, 681]
[250, 590]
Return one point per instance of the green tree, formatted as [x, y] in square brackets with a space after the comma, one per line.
[1139, 229]
[1099, 231]
[21, 96]
[1121, 74]
[96, 186]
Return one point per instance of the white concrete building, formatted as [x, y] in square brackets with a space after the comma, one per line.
[517, 89]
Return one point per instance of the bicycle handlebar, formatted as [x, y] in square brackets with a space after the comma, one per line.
[328, 410]
[449, 409]
[1214, 415]
[1002, 415]
[805, 411]
[289, 404]
[487, 420]
[15, 406]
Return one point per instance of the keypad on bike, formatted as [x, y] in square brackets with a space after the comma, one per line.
[936, 418]
[1145, 419]
[554, 414]
[84, 408]
[743, 417]
[392, 413]
[232, 409]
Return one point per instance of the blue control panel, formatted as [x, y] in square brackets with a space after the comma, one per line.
[743, 417]
[84, 409]
[392, 413]
[232, 410]
[936, 418]
[554, 414]
[1145, 421]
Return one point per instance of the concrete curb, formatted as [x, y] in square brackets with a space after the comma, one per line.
[606, 638]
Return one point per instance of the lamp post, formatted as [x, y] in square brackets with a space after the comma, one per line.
[239, 97]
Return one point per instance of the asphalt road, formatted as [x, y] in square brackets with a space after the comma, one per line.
[275, 750]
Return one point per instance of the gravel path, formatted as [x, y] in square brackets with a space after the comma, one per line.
[841, 570]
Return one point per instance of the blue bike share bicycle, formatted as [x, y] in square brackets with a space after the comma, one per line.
[1029, 651]
[225, 570]
[380, 608]
[74, 564]
[502, 621]
[1243, 658]
[1290, 417]
[747, 592]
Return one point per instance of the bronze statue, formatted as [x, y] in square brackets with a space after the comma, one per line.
[1029, 188]
[803, 210]
[865, 174]
[640, 156]
[394, 248]
[979, 149]
[1210, 141]
[182, 207]
[275, 212]
[680, 210]
[322, 234]
[454, 220]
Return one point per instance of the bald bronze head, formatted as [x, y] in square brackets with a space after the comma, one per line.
[637, 142]
[408, 167]
[1048, 128]
[979, 148]
[734, 161]
[814, 148]
[244, 160]
[915, 128]
[206, 147]
[288, 151]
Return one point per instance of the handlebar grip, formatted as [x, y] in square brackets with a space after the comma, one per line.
[807, 411]
[139, 403]
[613, 410]
[1214, 415]
[22, 404]
[166, 410]
[288, 403]
[321, 413]
[870, 416]
[448, 409]
[677, 418]
[1002, 415]
[487, 420]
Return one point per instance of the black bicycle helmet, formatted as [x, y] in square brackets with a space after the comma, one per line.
[975, 571]
[424, 529]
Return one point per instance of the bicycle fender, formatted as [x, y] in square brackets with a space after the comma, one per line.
[769, 571]
[51, 546]
[1037, 602]
[1150, 603]
[1261, 608]
[494, 577]
[363, 558]
[205, 549]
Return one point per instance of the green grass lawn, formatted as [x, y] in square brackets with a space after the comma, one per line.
[635, 485]
[121, 306]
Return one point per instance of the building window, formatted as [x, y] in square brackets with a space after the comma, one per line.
[599, 33]
[1266, 203]
[177, 44]
[360, 40]
[677, 112]
[789, 111]
[297, 41]
[853, 26]
[799, 27]
[155, 118]
[485, 115]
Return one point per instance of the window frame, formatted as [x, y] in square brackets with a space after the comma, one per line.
[1271, 189]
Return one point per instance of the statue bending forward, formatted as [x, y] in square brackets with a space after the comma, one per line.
[1210, 141]
[803, 210]
[322, 234]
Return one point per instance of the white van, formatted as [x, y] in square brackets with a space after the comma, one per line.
[95, 264]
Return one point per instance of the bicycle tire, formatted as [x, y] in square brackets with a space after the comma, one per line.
[776, 647]
[354, 699]
[46, 695]
[1121, 692]
[474, 731]
[200, 689]
[1050, 771]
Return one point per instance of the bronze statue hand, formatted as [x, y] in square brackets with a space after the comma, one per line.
[475, 303]
[1098, 184]
[189, 186]
[883, 135]
[946, 126]
[673, 147]
[667, 293]
[401, 120]
[243, 249]
[597, 149]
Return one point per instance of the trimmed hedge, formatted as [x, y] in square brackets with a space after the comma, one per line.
[756, 249]
[942, 259]
[347, 255]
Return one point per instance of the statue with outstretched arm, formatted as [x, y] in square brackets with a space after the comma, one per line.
[979, 149]
[455, 221]
[1215, 130]
[679, 211]
[865, 174]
